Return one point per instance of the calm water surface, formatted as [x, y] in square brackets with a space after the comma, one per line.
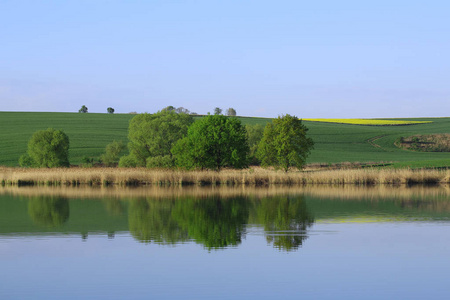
[225, 244]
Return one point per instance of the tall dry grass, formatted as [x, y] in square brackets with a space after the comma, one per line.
[253, 176]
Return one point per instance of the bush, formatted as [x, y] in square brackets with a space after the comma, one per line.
[112, 153]
[87, 162]
[163, 162]
[47, 148]
[127, 161]
[26, 161]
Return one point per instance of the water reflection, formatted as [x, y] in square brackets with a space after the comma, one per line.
[215, 218]
[151, 220]
[48, 211]
[113, 206]
[213, 222]
[285, 221]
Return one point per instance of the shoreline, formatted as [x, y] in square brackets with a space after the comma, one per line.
[247, 177]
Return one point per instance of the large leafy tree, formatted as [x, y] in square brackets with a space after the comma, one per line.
[285, 144]
[213, 142]
[153, 135]
[47, 148]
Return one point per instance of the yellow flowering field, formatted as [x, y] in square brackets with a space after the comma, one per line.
[372, 122]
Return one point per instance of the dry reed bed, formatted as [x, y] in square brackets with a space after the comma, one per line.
[253, 176]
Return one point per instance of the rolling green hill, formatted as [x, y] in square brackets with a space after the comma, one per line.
[90, 133]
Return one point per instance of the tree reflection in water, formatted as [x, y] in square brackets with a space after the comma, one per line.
[285, 221]
[217, 222]
[214, 222]
[48, 211]
[150, 220]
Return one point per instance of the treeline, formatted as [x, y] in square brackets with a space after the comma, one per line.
[171, 138]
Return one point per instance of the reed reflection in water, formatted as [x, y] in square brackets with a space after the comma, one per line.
[213, 217]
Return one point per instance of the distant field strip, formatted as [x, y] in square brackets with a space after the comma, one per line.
[371, 122]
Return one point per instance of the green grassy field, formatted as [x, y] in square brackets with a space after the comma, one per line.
[334, 143]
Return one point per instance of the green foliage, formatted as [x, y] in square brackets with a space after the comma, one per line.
[284, 143]
[112, 153]
[47, 148]
[154, 134]
[162, 162]
[25, 161]
[87, 162]
[333, 143]
[213, 142]
[48, 211]
[231, 112]
[83, 109]
[110, 110]
[254, 135]
[128, 161]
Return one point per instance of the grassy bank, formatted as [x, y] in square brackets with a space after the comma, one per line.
[254, 176]
[334, 143]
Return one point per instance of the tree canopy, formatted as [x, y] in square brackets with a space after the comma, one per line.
[110, 110]
[213, 142]
[284, 143]
[47, 148]
[154, 134]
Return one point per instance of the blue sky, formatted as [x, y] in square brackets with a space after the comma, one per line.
[328, 59]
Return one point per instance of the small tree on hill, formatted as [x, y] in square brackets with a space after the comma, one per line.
[83, 109]
[47, 148]
[217, 111]
[110, 110]
[284, 143]
[231, 112]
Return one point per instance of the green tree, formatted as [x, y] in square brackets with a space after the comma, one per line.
[110, 110]
[112, 153]
[231, 112]
[285, 144]
[154, 134]
[83, 109]
[213, 142]
[47, 148]
[217, 111]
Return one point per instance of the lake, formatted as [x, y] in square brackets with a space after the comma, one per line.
[224, 243]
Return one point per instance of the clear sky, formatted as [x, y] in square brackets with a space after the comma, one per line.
[328, 59]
